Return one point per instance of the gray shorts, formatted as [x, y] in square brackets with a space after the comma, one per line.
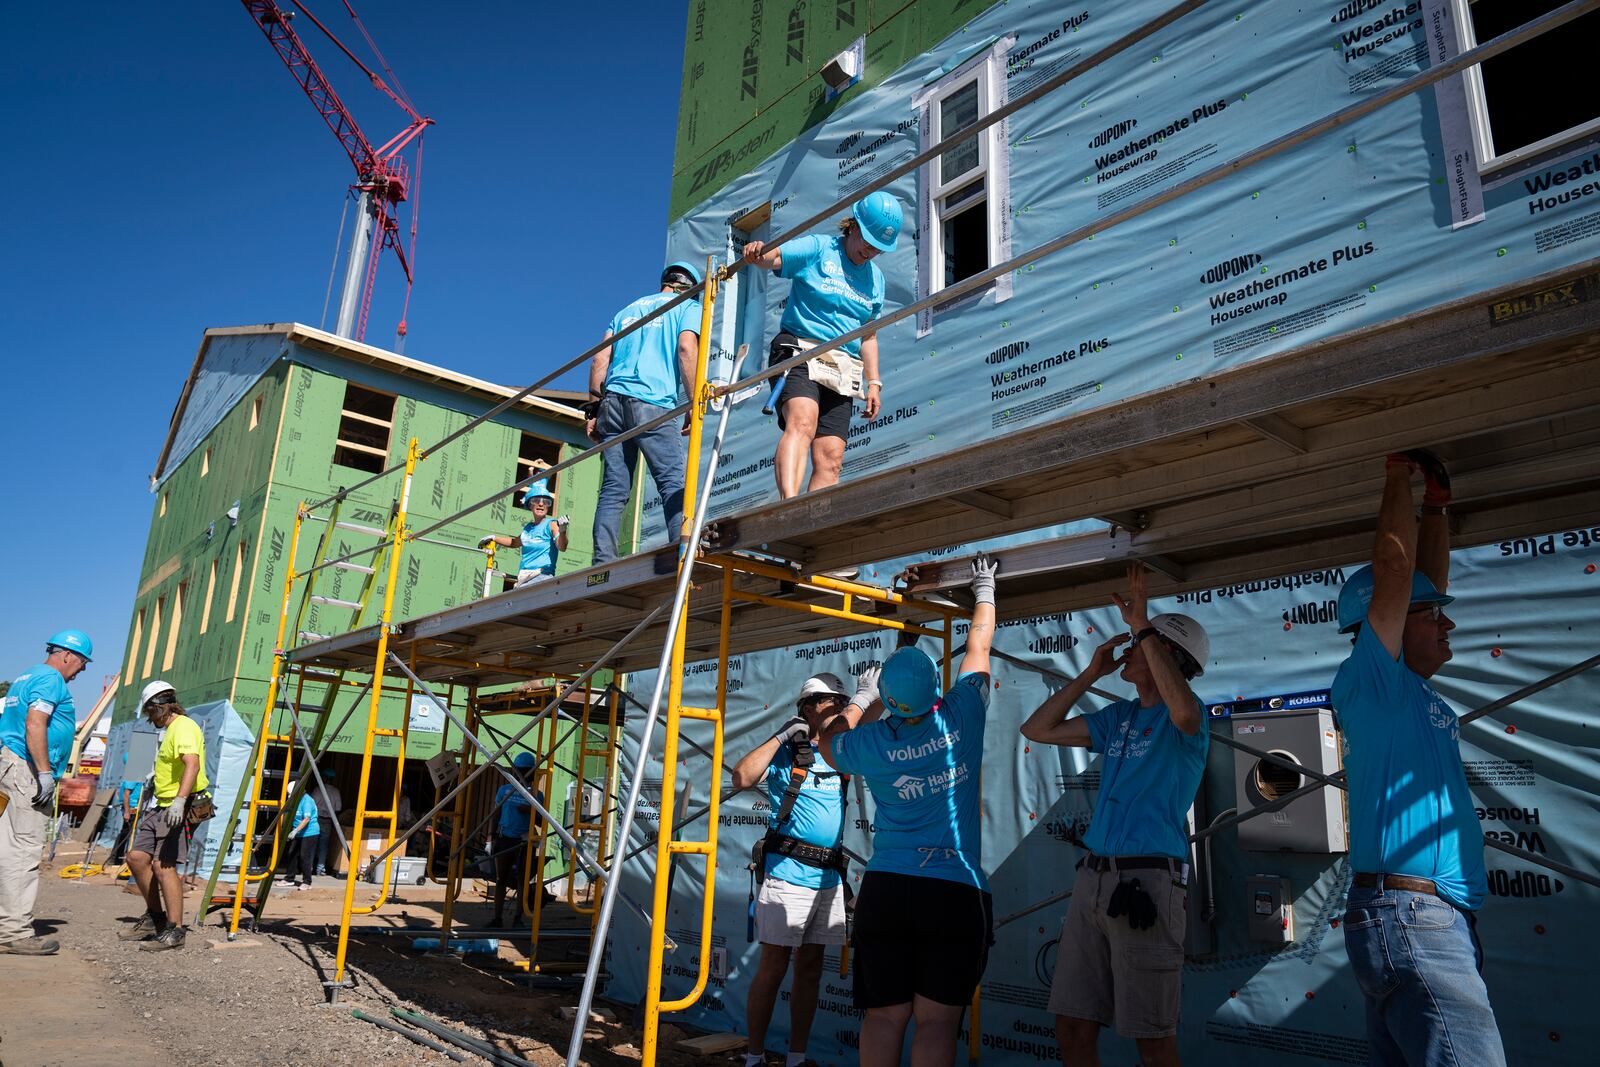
[1110, 973]
[169, 847]
[793, 915]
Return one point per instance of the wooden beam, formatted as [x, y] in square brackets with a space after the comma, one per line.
[1279, 429]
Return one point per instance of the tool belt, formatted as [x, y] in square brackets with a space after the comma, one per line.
[776, 844]
[836, 371]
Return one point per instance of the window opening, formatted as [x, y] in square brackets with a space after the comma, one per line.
[1536, 96]
[365, 422]
[155, 634]
[255, 410]
[205, 463]
[133, 648]
[174, 627]
[163, 511]
[534, 454]
[233, 585]
[211, 588]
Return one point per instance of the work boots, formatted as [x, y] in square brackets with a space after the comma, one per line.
[147, 927]
[171, 937]
[31, 946]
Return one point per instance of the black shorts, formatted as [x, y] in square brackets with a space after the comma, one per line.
[916, 936]
[833, 409]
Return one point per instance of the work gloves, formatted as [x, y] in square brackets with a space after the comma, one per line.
[485, 542]
[983, 570]
[1130, 899]
[46, 788]
[563, 520]
[171, 817]
[866, 687]
[793, 730]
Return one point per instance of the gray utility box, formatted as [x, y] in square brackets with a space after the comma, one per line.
[1306, 736]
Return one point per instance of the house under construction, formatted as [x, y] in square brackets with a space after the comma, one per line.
[1179, 278]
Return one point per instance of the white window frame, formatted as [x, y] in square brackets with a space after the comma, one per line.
[1478, 110]
[988, 68]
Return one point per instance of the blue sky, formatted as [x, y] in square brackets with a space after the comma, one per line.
[163, 173]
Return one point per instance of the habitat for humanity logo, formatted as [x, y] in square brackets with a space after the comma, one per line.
[911, 786]
[914, 787]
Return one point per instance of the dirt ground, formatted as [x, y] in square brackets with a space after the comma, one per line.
[259, 1001]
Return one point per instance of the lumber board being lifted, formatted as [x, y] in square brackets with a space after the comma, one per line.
[1265, 470]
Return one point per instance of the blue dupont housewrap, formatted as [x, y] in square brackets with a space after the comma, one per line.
[1380, 219]
[1356, 227]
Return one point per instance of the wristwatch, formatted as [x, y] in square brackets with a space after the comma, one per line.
[1148, 631]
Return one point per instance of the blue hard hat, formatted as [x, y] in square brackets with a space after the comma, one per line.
[73, 641]
[523, 761]
[535, 490]
[909, 683]
[680, 266]
[879, 217]
[1356, 596]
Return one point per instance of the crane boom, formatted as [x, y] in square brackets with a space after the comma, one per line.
[381, 173]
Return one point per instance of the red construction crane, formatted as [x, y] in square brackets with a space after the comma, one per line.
[382, 179]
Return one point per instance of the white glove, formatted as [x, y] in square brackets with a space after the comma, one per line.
[792, 730]
[47, 787]
[563, 520]
[171, 816]
[983, 570]
[485, 542]
[866, 687]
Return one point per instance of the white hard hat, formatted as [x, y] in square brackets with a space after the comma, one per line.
[154, 689]
[819, 684]
[1188, 635]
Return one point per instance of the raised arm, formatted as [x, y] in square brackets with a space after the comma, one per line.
[980, 635]
[1049, 724]
[1183, 707]
[863, 707]
[1393, 555]
[753, 767]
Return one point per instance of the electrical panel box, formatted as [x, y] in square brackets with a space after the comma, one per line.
[1296, 731]
[1269, 909]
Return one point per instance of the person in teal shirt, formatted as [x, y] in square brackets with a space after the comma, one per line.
[836, 288]
[1416, 847]
[513, 820]
[37, 722]
[1120, 958]
[306, 837]
[924, 916]
[543, 538]
[634, 381]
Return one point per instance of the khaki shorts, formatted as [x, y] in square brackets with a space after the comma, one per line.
[793, 915]
[1112, 974]
[169, 847]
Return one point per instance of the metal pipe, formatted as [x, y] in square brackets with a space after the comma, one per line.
[355, 267]
[1543, 861]
[496, 1056]
[409, 1034]
[1528, 690]
[608, 895]
[1031, 908]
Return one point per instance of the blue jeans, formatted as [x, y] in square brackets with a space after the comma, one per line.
[1417, 960]
[665, 453]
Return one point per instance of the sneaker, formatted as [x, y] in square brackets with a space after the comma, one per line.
[303, 886]
[143, 930]
[31, 946]
[171, 937]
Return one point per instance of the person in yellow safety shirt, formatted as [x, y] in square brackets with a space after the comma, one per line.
[161, 844]
[836, 288]
[36, 730]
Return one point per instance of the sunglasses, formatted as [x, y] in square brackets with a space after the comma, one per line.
[1433, 611]
[161, 700]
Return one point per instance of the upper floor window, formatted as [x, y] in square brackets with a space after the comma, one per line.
[963, 195]
[1537, 96]
[364, 426]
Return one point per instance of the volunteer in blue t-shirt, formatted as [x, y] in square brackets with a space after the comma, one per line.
[924, 918]
[513, 818]
[635, 381]
[1415, 844]
[37, 722]
[836, 288]
[305, 836]
[1120, 959]
[801, 904]
[543, 538]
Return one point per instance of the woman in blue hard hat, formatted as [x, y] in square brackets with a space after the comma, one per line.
[836, 288]
[923, 918]
[543, 538]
